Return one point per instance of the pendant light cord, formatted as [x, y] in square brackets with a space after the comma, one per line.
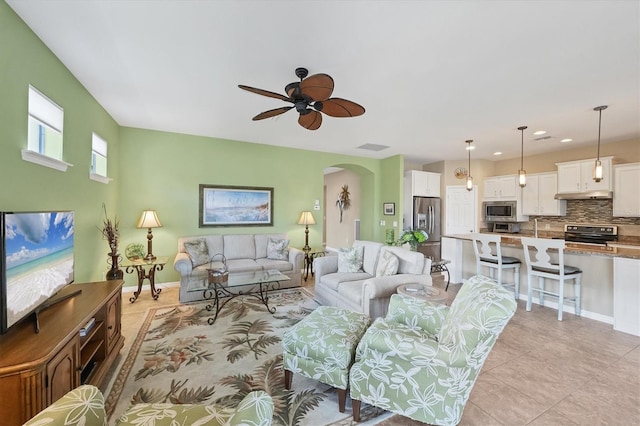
[599, 109]
[522, 149]
[599, 127]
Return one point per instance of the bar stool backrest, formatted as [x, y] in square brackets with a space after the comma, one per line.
[486, 246]
[541, 260]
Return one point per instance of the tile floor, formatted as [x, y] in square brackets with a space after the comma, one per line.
[540, 372]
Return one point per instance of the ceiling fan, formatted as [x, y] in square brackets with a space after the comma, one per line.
[310, 96]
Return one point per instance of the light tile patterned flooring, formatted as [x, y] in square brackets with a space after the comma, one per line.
[540, 372]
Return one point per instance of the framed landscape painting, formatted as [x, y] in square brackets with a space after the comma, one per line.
[235, 206]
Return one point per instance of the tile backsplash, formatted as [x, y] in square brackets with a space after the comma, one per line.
[596, 212]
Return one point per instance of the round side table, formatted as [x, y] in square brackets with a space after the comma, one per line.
[425, 292]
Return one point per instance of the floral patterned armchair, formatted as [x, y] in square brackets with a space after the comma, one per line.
[85, 405]
[422, 359]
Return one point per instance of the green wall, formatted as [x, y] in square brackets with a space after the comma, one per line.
[152, 169]
[25, 60]
[163, 171]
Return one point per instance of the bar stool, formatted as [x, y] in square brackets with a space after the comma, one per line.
[489, 254]
[542, 267]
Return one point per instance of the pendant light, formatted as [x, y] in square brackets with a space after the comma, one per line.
[597, 171]
[469, 178]
[522, 174]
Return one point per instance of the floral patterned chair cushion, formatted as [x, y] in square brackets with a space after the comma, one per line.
[322, 347]
[85, 406]
[422, 359]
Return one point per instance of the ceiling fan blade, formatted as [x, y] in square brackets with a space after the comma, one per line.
[310, 121]
[318, 87]
[337, 107]
[265, 93]
[271, 113]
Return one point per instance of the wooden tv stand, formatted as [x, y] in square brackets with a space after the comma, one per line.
[37, 369]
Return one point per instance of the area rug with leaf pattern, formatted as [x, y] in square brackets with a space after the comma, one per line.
[178, 357]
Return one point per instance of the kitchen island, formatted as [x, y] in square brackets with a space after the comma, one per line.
[610, 284]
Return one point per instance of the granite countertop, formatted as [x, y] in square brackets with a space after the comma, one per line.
[615, 250]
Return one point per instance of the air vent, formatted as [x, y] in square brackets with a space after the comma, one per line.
[542, 138]
[373, 147]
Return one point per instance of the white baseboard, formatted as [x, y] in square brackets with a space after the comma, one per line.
[569, 309]
[133, 288]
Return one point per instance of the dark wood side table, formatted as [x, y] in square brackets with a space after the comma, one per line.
[309, 255]
[143, 274]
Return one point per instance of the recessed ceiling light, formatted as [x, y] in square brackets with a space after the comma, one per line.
[540, 132]
[566, 140]
[470, 148]
[497, 153]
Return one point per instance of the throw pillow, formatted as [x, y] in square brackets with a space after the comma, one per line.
[278, 249]
[350, 259]
[197, 251]
[387, 264]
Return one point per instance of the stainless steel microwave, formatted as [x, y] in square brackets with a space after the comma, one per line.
[500, 211]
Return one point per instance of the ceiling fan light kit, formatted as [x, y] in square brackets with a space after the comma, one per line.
[310, 97]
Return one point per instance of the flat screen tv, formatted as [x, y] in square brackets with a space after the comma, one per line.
[36, 256]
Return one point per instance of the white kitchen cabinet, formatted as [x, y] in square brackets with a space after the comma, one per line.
[577, 176]
[538, 196]
[423, 184]
[626, 190]
[501, 188]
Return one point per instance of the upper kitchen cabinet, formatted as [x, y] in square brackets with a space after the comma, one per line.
[502, 188]
[626, 194]
[538, 196]
[422, 184]
[577, 176]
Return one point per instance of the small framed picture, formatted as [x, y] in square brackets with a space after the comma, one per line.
[389, 209]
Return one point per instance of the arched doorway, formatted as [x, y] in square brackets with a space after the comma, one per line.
[357, 220]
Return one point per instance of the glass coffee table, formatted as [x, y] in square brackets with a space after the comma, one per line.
[255, 284]
[425, 292]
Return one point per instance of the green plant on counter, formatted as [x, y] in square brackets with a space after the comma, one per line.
[413, 237]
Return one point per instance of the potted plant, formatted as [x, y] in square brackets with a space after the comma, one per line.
[413, 237]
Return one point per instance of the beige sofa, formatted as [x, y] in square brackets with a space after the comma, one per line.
[243, 253]
[364, 291]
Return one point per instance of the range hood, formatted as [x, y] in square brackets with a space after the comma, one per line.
[589, 195]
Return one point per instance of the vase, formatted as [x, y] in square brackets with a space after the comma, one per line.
[114, 273]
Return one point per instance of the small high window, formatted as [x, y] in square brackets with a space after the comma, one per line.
[44, 136]
[98, 155]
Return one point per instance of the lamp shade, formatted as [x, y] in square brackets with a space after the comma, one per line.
[306, 218]
[149, 219]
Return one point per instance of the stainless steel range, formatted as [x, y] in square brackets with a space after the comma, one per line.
[590, 234]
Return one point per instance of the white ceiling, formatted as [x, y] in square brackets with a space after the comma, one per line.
[430, 74]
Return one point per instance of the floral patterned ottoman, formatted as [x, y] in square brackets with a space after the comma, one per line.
[322, 347]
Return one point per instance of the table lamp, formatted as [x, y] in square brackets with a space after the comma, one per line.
[306, 219]
[149, 219]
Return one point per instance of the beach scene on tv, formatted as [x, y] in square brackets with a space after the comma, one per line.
[39, 259]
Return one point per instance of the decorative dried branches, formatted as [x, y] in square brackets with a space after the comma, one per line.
[110, 231]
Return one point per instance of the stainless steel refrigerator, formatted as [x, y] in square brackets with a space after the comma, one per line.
[426, 216]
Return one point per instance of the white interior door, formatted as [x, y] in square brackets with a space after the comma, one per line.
[461, 210]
